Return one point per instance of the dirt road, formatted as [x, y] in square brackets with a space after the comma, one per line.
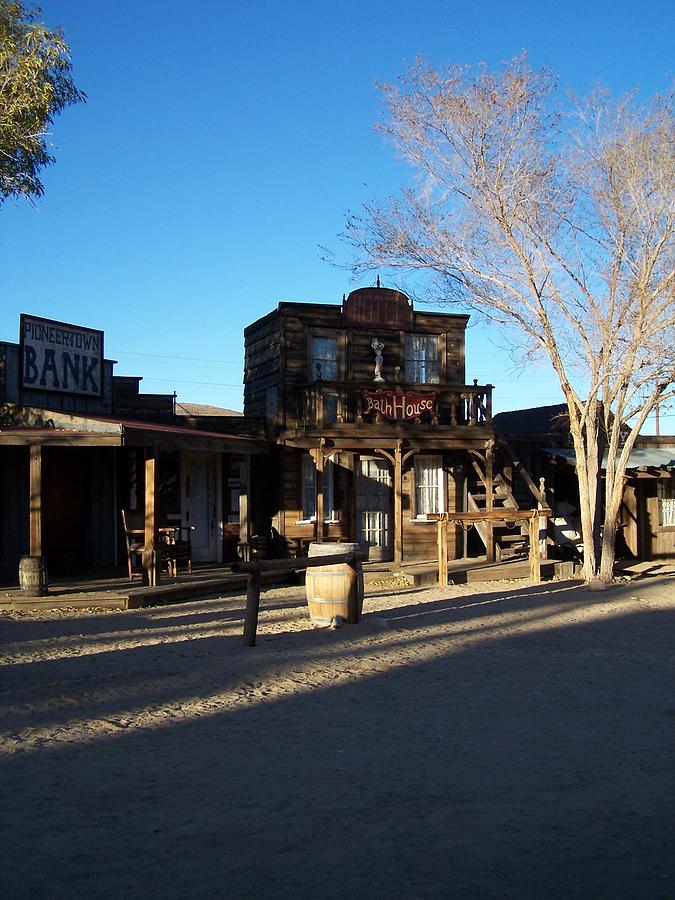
[510, 741]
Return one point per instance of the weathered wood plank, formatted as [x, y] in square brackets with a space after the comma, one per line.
[35, 508]
[151, 574]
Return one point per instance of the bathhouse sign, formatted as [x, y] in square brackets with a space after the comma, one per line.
[61, 358]
[399, 404]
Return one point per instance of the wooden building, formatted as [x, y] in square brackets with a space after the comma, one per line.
[78, 445]
[375, 430]
[543, 442]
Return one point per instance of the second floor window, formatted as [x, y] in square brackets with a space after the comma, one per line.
[422, 359]
[324, 359]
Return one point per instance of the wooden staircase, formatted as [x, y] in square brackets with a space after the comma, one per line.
[511, 539]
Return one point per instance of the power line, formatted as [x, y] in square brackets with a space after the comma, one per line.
[180, 381]
[229, 362]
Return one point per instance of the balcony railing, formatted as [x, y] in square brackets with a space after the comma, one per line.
[331, 403]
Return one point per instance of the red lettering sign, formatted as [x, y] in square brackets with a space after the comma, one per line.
[399, 404]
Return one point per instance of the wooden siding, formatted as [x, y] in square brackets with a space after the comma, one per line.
[419, 537]
[279, 359]
[278, 354]
[657, 541]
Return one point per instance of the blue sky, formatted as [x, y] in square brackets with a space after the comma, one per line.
[222, 145]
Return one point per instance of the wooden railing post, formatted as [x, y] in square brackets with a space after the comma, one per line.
[489, 499]
[442, 541]
[355, 603]
[535, 566]
[543, 522]
[252, 606]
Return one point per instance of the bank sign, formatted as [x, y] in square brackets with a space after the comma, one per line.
[61, 358]
[399, 404]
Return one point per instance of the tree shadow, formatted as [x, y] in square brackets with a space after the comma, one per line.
[532, 762]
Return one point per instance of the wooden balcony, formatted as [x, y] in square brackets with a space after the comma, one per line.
[334, 406]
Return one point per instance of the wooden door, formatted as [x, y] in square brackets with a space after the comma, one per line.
[66, 523]
[200, 486]
[374, 506]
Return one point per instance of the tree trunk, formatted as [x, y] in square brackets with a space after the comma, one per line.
[614, 487]
[588, 463]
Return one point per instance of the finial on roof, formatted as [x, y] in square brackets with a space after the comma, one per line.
[378, 281]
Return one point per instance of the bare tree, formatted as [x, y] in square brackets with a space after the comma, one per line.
[555, 222]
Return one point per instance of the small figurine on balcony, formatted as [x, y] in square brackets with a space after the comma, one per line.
[378, 347]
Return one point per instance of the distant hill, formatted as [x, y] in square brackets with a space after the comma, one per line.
[203, 409]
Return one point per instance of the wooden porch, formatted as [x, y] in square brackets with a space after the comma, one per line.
[114, 590]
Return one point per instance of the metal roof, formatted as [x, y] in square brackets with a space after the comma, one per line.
[641, 458]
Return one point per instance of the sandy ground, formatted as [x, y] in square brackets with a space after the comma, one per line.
[499, 741]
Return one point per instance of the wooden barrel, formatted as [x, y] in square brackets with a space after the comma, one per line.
[33, 579]
[330, 588]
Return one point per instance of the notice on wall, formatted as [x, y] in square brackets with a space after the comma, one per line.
[61, 358]
[399, 404]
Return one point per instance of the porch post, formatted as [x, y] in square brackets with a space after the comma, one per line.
[151, 574]
[35, 506]
[398, 504]
[319, 525]
[245, 501]
[33, 578]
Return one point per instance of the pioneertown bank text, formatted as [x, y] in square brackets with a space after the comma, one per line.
[60, 357]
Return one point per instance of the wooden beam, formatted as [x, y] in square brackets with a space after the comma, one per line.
[21, 438]
[151, 543]
[35, 507]
[347, 441]
[442, 541]
[320, 524]
[245, 500]
[252, 607]
[543, 523]
[355, 599]
[535, 565]
[497, 515]
[398, 504]
[489, 498]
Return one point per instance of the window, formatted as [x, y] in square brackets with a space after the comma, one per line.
[324, 359]
[665, 492]
[309, 490]
[422, 359]
[429, 486]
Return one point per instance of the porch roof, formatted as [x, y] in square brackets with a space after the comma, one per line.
[31, 425]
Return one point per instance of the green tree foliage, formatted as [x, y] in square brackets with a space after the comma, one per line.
[35, 85]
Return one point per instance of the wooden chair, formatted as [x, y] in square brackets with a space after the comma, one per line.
[177, 546]
[135, 543]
